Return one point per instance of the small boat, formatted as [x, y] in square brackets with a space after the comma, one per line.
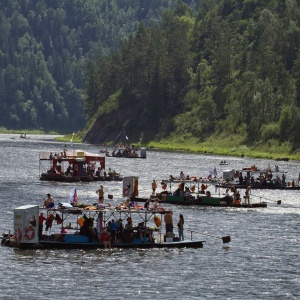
[203, 200]
[267, 186]
[258, 179]
[74, 166]
[223, 163]
[126, 152]
[282, 159]
[76, 234]
[23, 136]
[198, 196]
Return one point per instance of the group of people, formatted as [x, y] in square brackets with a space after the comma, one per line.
[155, 204]
[48, 222]
[102, 173]
[123, 151]
[116, 232]
[236, 197]
[182, 176]
[262, 179]
[59, 155]
[184, 191]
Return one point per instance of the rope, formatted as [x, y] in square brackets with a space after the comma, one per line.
[260, 197]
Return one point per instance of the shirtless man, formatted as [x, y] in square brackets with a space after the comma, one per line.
[247, 197]
[100, 194]
[48, 202]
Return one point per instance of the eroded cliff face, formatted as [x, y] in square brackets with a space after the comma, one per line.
[111, 128]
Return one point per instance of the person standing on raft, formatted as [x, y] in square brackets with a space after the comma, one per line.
[247, 196]
[180, 227]
[169, 222]
[100, 194]
[154, 187]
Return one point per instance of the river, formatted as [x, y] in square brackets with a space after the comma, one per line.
[260, 262]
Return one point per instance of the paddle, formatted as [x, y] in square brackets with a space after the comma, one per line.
[269, 200]
[225, 239]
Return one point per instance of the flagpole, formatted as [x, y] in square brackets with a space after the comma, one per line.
[71, 142]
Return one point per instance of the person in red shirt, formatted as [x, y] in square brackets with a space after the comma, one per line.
[105, 239]
[41, 221]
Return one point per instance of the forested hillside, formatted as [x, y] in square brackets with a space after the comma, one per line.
[231, 71]
[45, 47]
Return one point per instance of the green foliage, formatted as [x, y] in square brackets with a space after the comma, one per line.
[45, 47]
[231, 72]
[269, 132]
[285, 124]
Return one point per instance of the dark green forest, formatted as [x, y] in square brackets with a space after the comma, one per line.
[153, 70]
[230, 69]
[45, 47]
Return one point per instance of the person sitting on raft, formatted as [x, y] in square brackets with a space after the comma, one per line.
[147, 204]
[141, 229]
[181, 175]
[203, 188]
[105, 239]
[49, 202]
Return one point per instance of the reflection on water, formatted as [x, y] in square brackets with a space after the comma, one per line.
[261, 261]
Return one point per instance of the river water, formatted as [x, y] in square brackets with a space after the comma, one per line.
[260, 262]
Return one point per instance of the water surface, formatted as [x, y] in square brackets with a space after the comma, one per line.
[261, 262]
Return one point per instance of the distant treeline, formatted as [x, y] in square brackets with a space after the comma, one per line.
[45, 47]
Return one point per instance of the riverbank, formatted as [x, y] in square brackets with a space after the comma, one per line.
[218, 146]
[25, 131]
[231, 146]
[270, 150]
[20, 131]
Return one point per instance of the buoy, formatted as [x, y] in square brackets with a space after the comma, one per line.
[157, 221]
[236, 202]
[81, 221]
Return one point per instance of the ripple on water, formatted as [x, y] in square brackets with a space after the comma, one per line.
[260, 262]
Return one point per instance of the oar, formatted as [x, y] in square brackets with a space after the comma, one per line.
[225, 239]
[277, 201]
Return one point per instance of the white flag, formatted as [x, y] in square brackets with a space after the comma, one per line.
[71, 141]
